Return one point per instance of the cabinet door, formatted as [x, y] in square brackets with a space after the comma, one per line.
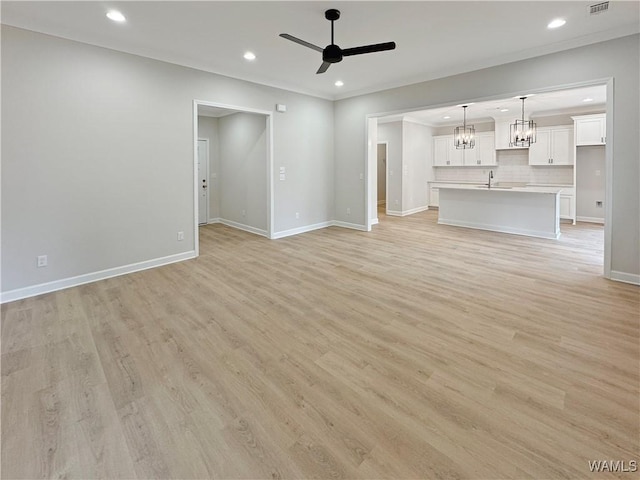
[485, 146]
[434, 196]
[471, 156]
[590, 131]
[565, 206]
[441, 147]
[456, 157]
[540, 152]
[562, 146]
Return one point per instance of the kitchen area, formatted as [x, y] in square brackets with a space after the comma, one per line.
[543, 156]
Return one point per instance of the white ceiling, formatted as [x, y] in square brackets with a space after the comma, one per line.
[434, 39]
[569, 101]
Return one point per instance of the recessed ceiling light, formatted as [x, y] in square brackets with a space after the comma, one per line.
[447, 117]
[339, 83]
[558, 22]
[249, 56]
[504, 109]
[116, 16]
[587, 100]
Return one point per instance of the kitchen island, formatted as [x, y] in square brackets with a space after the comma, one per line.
[531, 211]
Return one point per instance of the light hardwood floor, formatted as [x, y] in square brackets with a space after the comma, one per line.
[413, 351]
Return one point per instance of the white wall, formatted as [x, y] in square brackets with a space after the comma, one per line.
[618, 58]
[97, 157]
[208, 128]
[417, 145]
[243, 170]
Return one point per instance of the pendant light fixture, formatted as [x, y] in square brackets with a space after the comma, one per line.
[522, 133]
[464, 137]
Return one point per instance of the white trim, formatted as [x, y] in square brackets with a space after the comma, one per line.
[411, 211]
[298, 230]
[394, 213]
[381, 202]
[590, 220]
[56, 285]
[375, 221]
[500, 229]
[242, 226]
[608, 188]
[353, 226]
[624, 277]
[213, 220]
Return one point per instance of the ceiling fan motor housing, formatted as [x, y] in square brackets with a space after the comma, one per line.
[332, 54]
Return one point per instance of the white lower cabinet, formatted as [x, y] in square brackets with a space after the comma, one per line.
[434, 193]
[568, 205]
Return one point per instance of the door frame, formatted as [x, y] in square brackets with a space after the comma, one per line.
[269, 161]
[208, 176]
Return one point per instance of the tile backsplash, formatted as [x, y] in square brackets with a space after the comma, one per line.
[513, 166]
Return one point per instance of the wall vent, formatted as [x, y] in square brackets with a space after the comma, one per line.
[597, 8]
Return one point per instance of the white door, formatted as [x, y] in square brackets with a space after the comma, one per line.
[203, 181]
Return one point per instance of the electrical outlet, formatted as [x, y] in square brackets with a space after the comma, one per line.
[361, 176]
[180, 236]
[297, 214]
[42, 261]
[348, 211]
[599, 203]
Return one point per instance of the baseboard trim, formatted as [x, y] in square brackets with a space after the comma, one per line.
[213, 220]
[624, 277]
[590, 220]
[240, 226]
[56, 285]
[298, 230]
[375, 221]
[404, 213]
[415, 210]
[353, 226]
[381, 202]
[499, 229]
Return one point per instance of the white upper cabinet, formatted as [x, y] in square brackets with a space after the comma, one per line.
[445, 154]
[591, 129]
[553, 146]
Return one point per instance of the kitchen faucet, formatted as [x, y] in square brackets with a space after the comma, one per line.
[490, 177]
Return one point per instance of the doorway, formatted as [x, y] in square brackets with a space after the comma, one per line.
[515, 166]
[233, 168]
[382, 176]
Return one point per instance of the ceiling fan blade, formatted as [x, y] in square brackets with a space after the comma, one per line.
[301, 42]
[378, 47]
[323, 68]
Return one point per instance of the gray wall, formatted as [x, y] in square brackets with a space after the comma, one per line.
[208, 128]
[97, 156]
[243, 169]
[618, 58]
[382, 172]
[392, 134]
[590, 181]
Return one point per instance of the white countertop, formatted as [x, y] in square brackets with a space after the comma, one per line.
[484, 188]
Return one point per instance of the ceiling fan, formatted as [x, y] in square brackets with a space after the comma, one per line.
[333, 53]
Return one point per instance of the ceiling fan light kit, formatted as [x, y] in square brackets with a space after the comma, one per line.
[465, 136]
[332, 53]
[522, 133]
